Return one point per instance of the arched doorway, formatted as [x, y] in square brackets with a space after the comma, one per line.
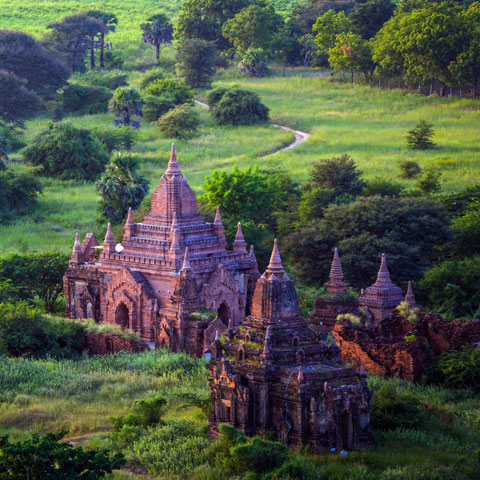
[224, 313]
[122, 316]
[346, 430]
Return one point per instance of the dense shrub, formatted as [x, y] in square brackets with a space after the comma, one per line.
[239, 107]
[150, 77]
[182, 121]
[409, 169]
[93, 78]
[260, 455]
[83, 100]
[25, 332]
[19, 189]
[120, 139]
[163, 95]
[67, 153]
[393, 409]
[127, 105]
[253, 63]
[145, 413]
[379, 186]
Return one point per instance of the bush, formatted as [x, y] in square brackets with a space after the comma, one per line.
[120, 139]
[93, 78]
[253, 63]
[67, 153]
[83, 100]
[114, 60]
[196, 61]
[409, 169]
[150, 77]
[215, 95]
[239, 107]
[430, 182]
[408, 313]
[182, 121]
[392, 409]
[146, 413]
[420, 137]
[126, 104]
[384, 188]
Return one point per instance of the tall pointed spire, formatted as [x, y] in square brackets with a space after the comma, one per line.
[173, 168]
[336, 286]
[175, 240]
[239, 244]
[130, 217]
[109, 242]
[76, 257]
[77, 248]
[383, 276]
[252, 253]
[186, 261]
[174, 221]
[218, 218]
[410, 297]
[129, 226]
[275, 266]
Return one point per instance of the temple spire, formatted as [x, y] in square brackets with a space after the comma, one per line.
[109, 242]
[174, 221]
[410, 297]
[336, 286]
[239, 244]
[130, 217]
[383, 276]
[218, 218]
[77, 248]
[186, 261]
[252, 253]
[275, 266]
[173, 168]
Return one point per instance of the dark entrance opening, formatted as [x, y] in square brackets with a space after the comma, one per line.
[227, 414]
[346, 429]
[224, 313]
[108, 345]
[121, 315]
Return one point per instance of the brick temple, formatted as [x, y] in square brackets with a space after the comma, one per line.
[165, 269]
[274, 373]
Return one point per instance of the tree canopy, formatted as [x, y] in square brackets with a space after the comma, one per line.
[157, 31]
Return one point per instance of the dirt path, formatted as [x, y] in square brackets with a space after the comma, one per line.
[300, 136]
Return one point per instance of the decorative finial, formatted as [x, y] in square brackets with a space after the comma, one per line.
[130, 217]
[383, 276]
[275, 265]
[186, 261]
[218, 218]
[174, 221]
[173, 168]
[336, 272]
[109, 235]
[239, 243]
[410, 297]
[175, 240]
[77, 248]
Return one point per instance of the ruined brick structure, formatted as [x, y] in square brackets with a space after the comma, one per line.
[166, 267]
[274, 373]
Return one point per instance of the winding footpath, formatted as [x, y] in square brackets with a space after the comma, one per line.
[300, 136]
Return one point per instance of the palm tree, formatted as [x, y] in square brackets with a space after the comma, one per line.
[157, 31]
[110, 21]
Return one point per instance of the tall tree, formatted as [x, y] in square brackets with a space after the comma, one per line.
[196, 62]
[368, 17]
[327, 27]
[256, 26]
[157, 31]
[110, 22]
[23, 56]
[72, 37]
[204, 19]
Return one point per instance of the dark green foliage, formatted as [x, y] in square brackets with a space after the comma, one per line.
[122, 138]
[48, 458]
[453, 287]
[313, 203]
[182, 121]
[126, 104]
[467, 231]
[409, 169]
[157, 31]
[111, 80]
[458, 203]
[420, 138]
[23, 56]
[458, 369]
[164, 94]
[10, 141]
[196, 62]
[145, 413]
[368, 16]
[393, 409]
[239, 107]
[36, 275]
[8, 291]
[297, 468]
[82, 100]
[17, 103]
[151, 76]
[215, 95]
[337, 173]
[114, 60]
[19, 189]
[409, 230]
[379, 186]
[430, 182]
[253, 63]
[67, 153]
[109, 21]
[25, 332]
[259, 455]
[120, 187]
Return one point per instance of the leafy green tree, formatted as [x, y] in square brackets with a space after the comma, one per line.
[420, 138]
[126, 104]
[253, 63]
[411, 231]
[24, 57]
[196, 62]
[467, 229]
[163, 95]
[82, 100]
[67, 153]
[256, 26]
[380, 186]
[237, 107]
[19, 189]
[72, 37]
[204, 19]
[17, 103]
[48, 458]
[110, 22]
[409, 169]
[120, 188]
[157, 31]
[453, 287]
[327, 27]
[151, 76]
[368, 16]
[458, 203]
[146, 413]
[119, 139]
[351, 53]
[182, 121]
[36, 275]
